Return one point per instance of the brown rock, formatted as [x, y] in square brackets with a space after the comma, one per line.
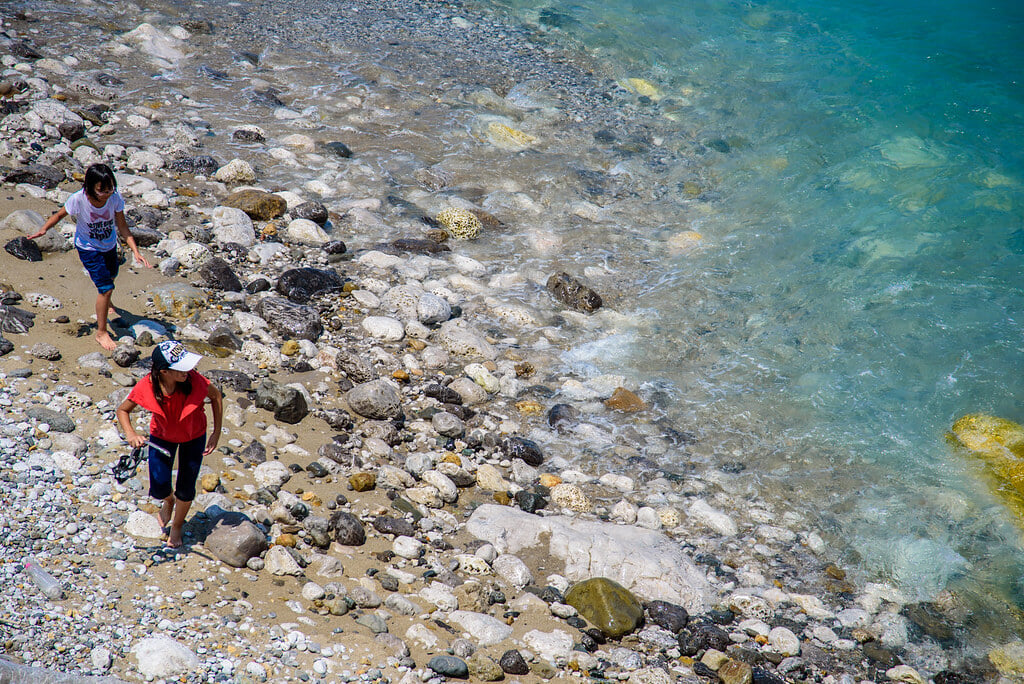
[210, 482]
[624, 400]
[259, 205]
[286, 540]
[363, 482]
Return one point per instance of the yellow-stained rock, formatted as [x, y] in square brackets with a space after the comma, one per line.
[1000, 444]
[624, 400]
[501, 498]
[210, 482]
[451, 457]
[290, 348]
[642, 86]
[507, 137]
[363, 482]
[549, 480]
[686, 241]
[461, 224]
[310, 497]
[529, 407]
[285, 540]
[1009, 659]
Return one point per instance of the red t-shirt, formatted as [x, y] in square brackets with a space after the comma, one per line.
[178, 418]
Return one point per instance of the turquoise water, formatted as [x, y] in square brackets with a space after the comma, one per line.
[860, 281]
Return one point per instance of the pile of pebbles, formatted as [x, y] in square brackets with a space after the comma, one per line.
[401, 493]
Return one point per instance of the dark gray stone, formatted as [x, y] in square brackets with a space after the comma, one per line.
[383, 430]
[419, 246]
[668, 615]
[126, 355]
[396, 526]
[201, 165]
[291, 319]
[336, 453]
[561, 416]
[348, 529]
[525, 449]
[145, 236]
[254, 454]
[512, 662]
[217, 274]
[248, 135]
[531, 502]
[338, 148]
[287, 403]
[317, 531]
[314, 211]
[24, 249]
[445, 395]
[700, 637]
[236, 380]
[573, 293]
[300, 284]
[221, 335]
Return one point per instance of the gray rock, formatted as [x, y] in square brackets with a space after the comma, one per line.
[431, 309]
[354, 366]
[279, 562]
[15, 320]
[221, 335]
[218, 275]
[234, 539]
[61, 422]
[37, 174]
[396, 526]
[291, 319]
[449, 666]
[378, 399]
[375, 623]
[236, 380]
[126, 355]
[287, 403]
[317, 531]
[348, 529]
[45, 351]
[365, 598]
[447, 424]
[300, 284]
[312, 211]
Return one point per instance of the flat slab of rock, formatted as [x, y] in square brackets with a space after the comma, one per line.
[644, 561]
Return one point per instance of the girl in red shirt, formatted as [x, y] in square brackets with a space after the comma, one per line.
[175, 394]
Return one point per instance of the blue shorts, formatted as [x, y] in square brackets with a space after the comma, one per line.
[190, 458]
[102, 267]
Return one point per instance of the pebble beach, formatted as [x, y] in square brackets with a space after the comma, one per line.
[412, 484]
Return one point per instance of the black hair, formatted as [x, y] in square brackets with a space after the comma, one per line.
[99, 176]
[158, 391]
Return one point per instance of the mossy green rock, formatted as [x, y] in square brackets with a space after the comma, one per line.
[484, 668]
[259, 205]
[607, 605]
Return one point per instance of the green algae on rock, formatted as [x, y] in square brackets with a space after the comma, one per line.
[259, 205]
[607, 605]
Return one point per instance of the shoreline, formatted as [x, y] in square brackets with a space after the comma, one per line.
[374, 275]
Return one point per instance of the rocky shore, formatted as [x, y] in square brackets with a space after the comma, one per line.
[406, 489]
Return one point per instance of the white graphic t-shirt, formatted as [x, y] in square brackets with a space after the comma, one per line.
[94, 226]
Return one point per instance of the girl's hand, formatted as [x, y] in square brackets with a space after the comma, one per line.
[136, 440]
[142, 260]
[210, 446]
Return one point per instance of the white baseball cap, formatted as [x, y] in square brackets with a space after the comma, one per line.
[173, 355]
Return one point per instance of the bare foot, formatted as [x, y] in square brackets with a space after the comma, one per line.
[174, 538]
[164, 516]
[106, 341]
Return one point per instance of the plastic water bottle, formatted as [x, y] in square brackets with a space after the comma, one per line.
[46, 582]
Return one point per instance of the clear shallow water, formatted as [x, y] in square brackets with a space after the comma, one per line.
[861, 283]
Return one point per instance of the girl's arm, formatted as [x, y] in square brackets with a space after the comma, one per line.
[217, 406]
[50, 223]
[126, 235]
[125, 421]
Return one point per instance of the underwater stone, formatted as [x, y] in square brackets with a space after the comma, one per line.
[573, 293]
[461, 224]
[607, 605]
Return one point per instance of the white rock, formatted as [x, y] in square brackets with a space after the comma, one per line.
[624, 512]
[421, 634]
[280, 562]
[513, 570]
[271, 474]
[702, 512]
[261, 354]
[853, 618]
[483, 377]
[459, 337]
[644, 561]
[161, 656]
[162, 47]
[311, 591]
[648, 518]
[471, 392]
[384, 328]
[100, 658]
[407, 547]
[472, 565]
[490, 478]
[551, 646]
[905, 674]
[485, 629]
[431, 309]
[142, 524]
[67, 462]
[144, 160]
[445, 487]
[192, 255]
[439, 595]
[43, 301]
[784, 642]
[232, 225]
[235, 171]
[307, 232]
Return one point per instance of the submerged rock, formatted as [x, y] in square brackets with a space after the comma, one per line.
[573, 293]
[607, 605]
[257, 204]
[461, 224]
[1000, 444]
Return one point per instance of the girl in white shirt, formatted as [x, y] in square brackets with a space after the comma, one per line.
[98, 209]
